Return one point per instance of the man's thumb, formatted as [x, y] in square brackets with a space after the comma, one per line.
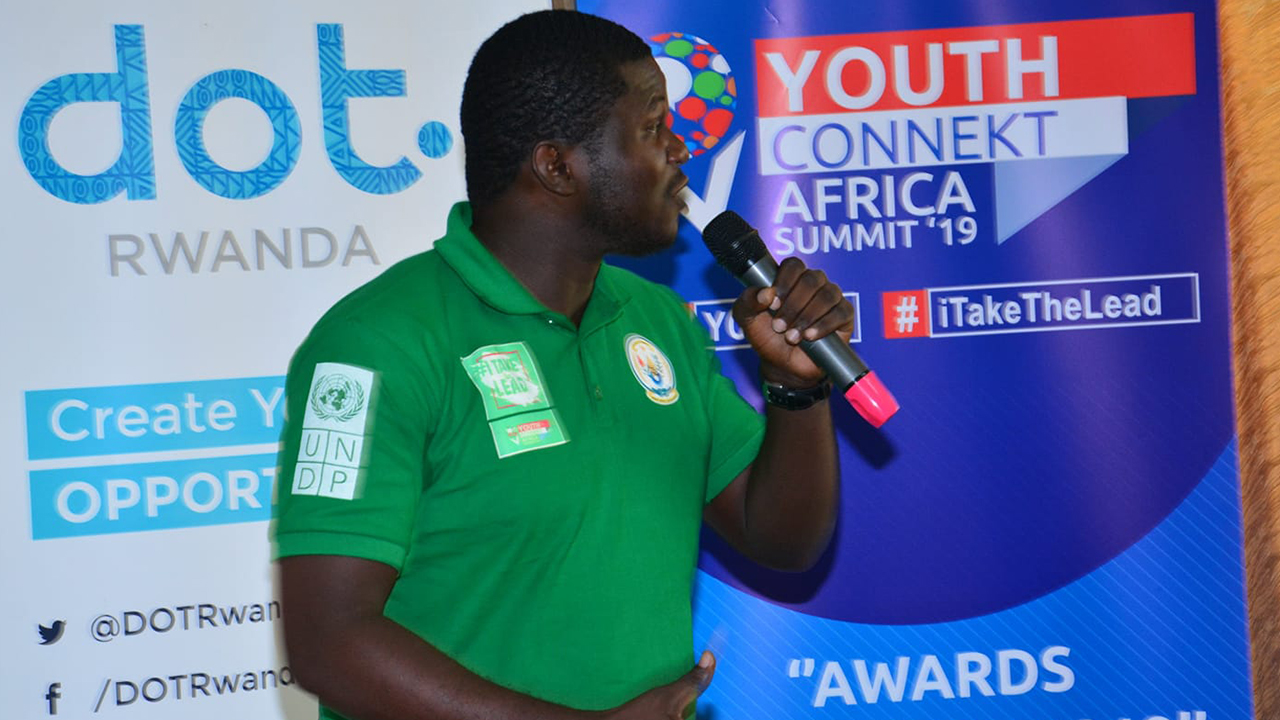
[693, 683]
[704, 670]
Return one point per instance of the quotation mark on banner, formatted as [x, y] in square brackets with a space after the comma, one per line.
[906, 314]
[800, 668]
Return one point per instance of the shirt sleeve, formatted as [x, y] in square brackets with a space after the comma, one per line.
[737, 429]
[351, 461]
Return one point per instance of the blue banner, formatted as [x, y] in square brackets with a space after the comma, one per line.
[1025, 201]
[106, 499]
[124, 419]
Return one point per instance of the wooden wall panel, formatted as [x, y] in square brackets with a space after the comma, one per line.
[1250, 31]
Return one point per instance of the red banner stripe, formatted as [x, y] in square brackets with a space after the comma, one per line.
[1142, 56]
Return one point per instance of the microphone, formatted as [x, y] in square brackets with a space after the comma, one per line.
[737, 247]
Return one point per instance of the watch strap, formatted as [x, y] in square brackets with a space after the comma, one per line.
[787, 398]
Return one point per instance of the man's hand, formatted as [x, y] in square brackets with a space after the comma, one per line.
[673, 701]
[801, 305]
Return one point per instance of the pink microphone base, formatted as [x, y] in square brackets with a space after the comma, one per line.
[871, 399]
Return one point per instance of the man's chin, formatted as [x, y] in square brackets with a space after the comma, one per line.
[643, 247]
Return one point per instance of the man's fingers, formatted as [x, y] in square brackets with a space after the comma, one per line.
[788, 271]
[753, 301]
[826, 311]
[801, 305]
[811, 306]
[838, 318]
[687, 689]
[805, 289]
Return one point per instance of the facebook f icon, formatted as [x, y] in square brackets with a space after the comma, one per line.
[52, 696]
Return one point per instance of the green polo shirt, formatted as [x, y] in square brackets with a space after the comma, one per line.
[538, 486]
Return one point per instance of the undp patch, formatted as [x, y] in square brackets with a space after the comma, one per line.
[334, 431]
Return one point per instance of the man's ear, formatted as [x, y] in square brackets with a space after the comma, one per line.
[553, 166]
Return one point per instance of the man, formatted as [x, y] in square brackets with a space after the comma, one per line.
[500, 451]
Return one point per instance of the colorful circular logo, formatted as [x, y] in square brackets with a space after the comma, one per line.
[652, 369]
[700, 88]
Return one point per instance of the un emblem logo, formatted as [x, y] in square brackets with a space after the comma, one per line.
[337, 397]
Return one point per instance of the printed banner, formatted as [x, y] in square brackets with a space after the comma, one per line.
[1025, 201]
[188, 187]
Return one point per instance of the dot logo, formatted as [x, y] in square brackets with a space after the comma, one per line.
[700, 87]
[435, 140]
[133, 172]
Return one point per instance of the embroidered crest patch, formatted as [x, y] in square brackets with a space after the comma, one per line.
[652, 369]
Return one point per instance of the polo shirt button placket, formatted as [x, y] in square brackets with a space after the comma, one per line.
[591, 379]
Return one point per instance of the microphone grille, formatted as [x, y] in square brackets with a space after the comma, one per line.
[734, 244]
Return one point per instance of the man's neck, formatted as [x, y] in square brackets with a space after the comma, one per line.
[548, 257]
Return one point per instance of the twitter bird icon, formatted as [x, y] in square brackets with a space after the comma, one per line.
[51, 635]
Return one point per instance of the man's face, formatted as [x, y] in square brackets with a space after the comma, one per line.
[635, 179]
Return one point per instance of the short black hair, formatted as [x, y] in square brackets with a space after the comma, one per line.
[548, 75]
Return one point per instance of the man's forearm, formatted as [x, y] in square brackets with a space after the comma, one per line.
[377, 670]
[367, 667]
[793, 489]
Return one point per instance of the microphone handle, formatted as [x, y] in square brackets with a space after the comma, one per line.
[831, 353]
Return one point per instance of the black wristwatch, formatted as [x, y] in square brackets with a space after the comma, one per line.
[781, 396]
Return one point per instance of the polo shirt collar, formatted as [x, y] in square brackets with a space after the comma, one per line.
[496, 287]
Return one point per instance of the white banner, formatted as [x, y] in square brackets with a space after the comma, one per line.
[873, 140]
[188, 189]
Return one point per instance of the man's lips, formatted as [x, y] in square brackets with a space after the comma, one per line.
[677, 193]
